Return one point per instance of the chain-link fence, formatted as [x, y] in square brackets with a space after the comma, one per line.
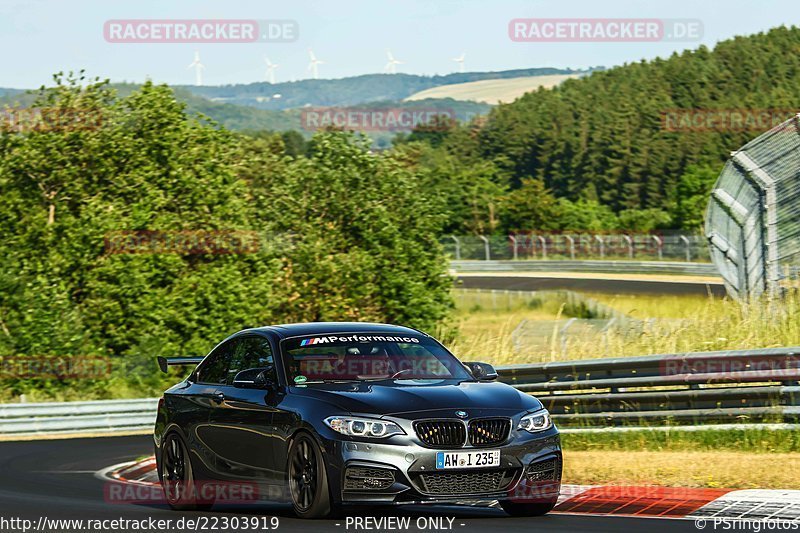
[577, 246]
[753, 217]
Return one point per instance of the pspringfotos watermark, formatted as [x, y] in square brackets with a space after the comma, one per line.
[726, 120]
[604, 30]
[54, 367]
[390, 119]
[745, 524]
[200, 31]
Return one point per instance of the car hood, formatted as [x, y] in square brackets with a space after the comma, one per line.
[418, 398]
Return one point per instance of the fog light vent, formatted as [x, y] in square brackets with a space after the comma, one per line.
[549, 470]
[367, 478]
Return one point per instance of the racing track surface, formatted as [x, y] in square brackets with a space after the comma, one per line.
[56, 479]
[589, 284]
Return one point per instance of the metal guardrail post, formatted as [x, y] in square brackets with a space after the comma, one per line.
[659, 246]
[630, 245]
[514, 244]
[571, 247]
[685, 240]
[486, 251]
[458, 247]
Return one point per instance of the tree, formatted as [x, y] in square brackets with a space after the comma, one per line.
[531, 207]
[345, 234]
[586, 215]
[643, 220]
[365, 233]
[694, 192]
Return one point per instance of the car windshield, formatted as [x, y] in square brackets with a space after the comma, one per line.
[368, 357]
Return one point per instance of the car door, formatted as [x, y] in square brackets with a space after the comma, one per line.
[285, 419]
[241, 424]
[202, 396]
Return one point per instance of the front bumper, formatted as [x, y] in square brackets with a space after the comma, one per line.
[374, 473]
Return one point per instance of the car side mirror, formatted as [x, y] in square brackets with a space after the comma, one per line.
[253, 378]
[481, 371]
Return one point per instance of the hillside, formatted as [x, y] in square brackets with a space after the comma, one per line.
[245, 118]
[602, 137]
[492, 91]
[350, 91]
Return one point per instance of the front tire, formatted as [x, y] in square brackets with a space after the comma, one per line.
[528, 509]
[308, 479]
[177, 476]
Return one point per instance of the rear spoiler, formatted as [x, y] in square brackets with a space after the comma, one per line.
[165, 362]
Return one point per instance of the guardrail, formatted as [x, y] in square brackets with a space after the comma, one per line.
[614, 267]
[725, 386]
[102, 416]
[741, 386]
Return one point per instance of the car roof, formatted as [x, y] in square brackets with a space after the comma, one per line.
[323, 328]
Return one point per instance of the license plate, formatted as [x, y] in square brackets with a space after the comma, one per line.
[481, 459]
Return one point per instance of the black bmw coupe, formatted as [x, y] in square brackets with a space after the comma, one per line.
[326, 415]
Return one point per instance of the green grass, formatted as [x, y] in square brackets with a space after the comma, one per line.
[732, 440]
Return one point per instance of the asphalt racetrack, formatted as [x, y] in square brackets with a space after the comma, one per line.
[55, 479]
[589, 283]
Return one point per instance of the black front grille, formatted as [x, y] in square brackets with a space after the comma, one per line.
[457, 483]
[441, 433]
[365, 478]
[489, 431]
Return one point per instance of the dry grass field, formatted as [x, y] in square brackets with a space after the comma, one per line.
[482, 330]
[710, 469]
[492, 91]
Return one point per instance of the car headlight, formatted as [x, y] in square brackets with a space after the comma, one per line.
[363, 427]
[535, 422]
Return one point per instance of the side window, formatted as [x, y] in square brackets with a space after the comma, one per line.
[252, 353]
[215, 369]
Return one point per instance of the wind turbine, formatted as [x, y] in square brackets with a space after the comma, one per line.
[270, 70]
[198, 69]
[460, 61]
[391, 66]
[312, 66]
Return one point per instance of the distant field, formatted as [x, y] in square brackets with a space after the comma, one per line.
[492, 91]
[482, 329]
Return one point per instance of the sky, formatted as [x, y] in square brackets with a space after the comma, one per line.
[40, 37]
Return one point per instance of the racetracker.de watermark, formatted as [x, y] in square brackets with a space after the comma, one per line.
[204, 492]
[49, 119]
[200, 31]
[55, 367]
[727, 367]
[391, 119]
[189, 242]
[726, 120]
[595, 30]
